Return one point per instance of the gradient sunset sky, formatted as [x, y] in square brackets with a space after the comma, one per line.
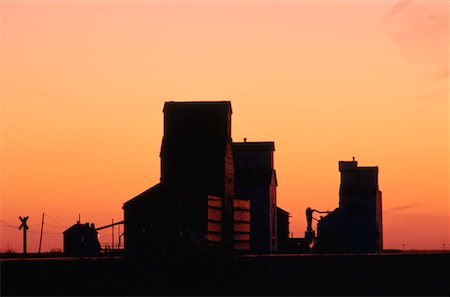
[83, 87]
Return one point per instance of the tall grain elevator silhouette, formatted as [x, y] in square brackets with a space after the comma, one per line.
[356, 225]
[256, 180]
[196, 167]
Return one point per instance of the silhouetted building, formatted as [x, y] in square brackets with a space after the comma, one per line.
[256, 180]
[282, 230]
[356, 225]
[241, 225]
[196, 163]
[241, 222]
[81, 240]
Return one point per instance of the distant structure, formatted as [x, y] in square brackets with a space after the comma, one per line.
[256, 180]
[213, 192]
[197, 177]
[218, 195]
[81, 240]
[356, 225]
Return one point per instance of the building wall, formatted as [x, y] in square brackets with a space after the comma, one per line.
[241, 223]
[379, 221]
[152, 221]
[254, 158]
[196, 137]
[282, 230]
[255, 180]
[260, 223]
[273, 214]
[228, 196]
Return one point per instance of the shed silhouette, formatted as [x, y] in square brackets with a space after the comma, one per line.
[81, 240]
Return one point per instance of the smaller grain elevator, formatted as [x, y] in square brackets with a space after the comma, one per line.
[356, 225]
[256, 180]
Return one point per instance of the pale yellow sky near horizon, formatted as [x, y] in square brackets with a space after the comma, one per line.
[83, 87]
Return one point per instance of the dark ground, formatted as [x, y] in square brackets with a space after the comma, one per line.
[384, 274]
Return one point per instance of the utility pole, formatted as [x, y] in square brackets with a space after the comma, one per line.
[42, 228]
[25, 228]
[113, 234]
[118, 233]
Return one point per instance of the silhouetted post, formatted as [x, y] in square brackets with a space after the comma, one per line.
[25, 228]
[309, 213]
[42, 228]
[113, 234]
[118, 235]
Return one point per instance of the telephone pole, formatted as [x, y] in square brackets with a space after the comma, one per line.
[42, 228]
[112, 234]
[118, 233]
[25, 228]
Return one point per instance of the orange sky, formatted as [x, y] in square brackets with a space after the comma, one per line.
[83, 86]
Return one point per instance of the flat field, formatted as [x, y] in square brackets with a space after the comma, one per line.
[413, 274]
